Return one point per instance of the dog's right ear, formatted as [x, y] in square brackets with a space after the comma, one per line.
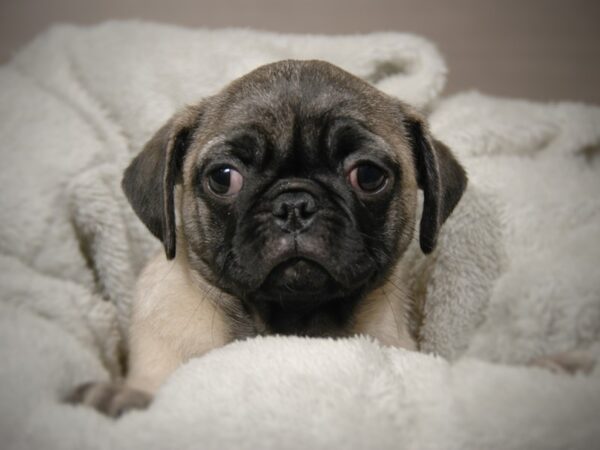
[150, 179]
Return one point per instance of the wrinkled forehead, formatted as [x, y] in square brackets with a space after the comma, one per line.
[283, 105]
[284, 100]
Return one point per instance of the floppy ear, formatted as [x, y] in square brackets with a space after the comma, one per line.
[440, 176]
[150, 179]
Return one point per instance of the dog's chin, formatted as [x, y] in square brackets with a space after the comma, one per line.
[299, 280]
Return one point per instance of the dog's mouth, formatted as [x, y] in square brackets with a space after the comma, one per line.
[301, 271]
[299, 278]
[300, 296]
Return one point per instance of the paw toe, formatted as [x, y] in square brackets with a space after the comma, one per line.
[112, 399]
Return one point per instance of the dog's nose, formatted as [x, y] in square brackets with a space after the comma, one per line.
[294, 210]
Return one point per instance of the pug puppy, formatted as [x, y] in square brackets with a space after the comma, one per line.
[284, 204]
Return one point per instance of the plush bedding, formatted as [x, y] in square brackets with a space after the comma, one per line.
[516, 275]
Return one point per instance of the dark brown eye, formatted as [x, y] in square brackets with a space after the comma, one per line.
[367, 178]
[225, 181]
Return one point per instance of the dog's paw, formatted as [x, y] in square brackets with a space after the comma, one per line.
[567, 362]
[110, 398]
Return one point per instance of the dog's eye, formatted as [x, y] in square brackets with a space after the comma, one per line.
[225, 181]
[367, 178]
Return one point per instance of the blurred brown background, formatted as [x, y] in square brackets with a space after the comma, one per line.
[538, 49]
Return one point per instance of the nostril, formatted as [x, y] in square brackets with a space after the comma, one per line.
[280, 210]
[307, 208]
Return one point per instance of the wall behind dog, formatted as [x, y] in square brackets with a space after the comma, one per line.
[538, 49]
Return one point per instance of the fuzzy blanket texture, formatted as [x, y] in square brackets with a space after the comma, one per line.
[516, 274]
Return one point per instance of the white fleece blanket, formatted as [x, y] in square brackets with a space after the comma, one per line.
[516, 275]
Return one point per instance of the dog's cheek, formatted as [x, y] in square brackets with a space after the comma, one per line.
[391, 230]
[193, 217]
[401, 219]
[380, 220]
[250, 249]
[202, 233]
[235, 246]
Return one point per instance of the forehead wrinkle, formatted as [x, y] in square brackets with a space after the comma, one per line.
[230, 143]
[280, 107]
[269, 115]
[215, 141]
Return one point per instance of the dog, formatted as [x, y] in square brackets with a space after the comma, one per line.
[284, 204]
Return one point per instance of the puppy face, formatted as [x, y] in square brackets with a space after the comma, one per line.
[299, 184]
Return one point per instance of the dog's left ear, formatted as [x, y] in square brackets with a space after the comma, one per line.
[149, 181]
[440, 176]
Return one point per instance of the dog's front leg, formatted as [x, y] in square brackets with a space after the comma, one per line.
[173, 320]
